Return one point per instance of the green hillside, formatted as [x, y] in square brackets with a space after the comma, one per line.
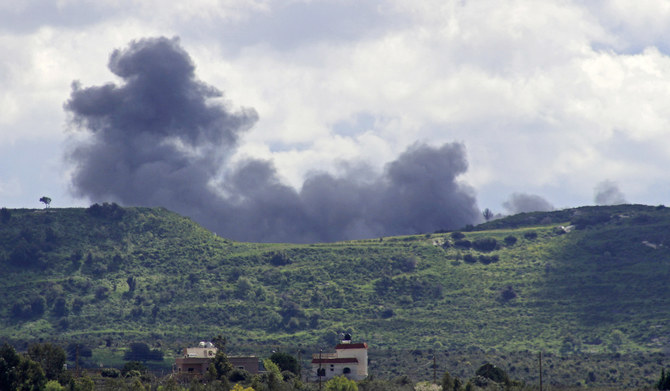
[115, 274]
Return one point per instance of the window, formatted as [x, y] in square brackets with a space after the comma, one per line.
[346, 370]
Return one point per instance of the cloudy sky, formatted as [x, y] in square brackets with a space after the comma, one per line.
[531, 104]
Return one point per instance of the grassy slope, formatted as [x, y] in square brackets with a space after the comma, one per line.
[594, 289]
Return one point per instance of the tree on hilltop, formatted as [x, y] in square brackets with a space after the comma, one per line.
[46, 201]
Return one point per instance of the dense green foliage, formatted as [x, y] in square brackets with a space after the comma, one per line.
[590, 280]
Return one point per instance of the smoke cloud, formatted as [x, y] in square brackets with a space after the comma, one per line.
[521, 203]
[608, 193]
[159, 140]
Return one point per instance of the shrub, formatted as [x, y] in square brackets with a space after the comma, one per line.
[485, 244]
[133, 368]
[406, 264]
[485, 259]
[457, 235]
[530, 235]
[588, 219]
[493, 373]
[508, 294]
[387, 313]
[110, 372]
[463, 243]
[38, 305]
[469, 258]
[239, 375]
[510, 240]
[341, 383]
[110, 211]
[278, 258]
[60, 308]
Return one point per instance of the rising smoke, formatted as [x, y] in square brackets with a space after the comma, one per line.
[159, 140]
[522, 203]
[608, 193]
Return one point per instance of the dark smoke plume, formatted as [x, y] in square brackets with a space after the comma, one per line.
[608, 193]
[521, 203]
[158, 140]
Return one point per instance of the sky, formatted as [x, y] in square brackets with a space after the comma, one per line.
[325, 120]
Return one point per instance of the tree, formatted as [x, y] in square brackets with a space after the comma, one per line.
[664, 381]
[51, 357]
[18, 372]
[274, 376]
[5, 215]
[53, 385]
[75, 350]
[61, 307]
[30, 376]
[132, 283]
[133, 366]
[493, 373]
[488, 215]
[46, 201]
[139, 351]
[9, 362]
[341, 383]
[220, 368]
[447, 382]
[285, 362]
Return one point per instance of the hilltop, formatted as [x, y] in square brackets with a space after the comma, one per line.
[590, 279]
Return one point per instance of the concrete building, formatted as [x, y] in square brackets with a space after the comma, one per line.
[196, 360]
[350, 359]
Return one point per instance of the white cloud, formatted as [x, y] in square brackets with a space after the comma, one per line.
[538, 91]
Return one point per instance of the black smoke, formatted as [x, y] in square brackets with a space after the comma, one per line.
[522, 203]
[608, 193]
[158, 139]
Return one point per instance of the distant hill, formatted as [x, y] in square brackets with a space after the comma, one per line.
[590, 279]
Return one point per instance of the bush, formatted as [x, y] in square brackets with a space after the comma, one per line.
[588, 219]
[469, 258]
[508, 294]
[491, 372]
[278, 258]
[341, 383]
[510, 240]
[530, 235]
[463, 243]
[457, 235]
[485, 244]
[132, 367]
[53, 385]
[106, 210]
[485, 259]
[110, 372]
[239, 375]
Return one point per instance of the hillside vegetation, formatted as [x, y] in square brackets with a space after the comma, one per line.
[591, 279]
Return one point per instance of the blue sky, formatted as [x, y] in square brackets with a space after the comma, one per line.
[550, 98]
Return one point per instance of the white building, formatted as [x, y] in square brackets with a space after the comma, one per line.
[349, 359]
